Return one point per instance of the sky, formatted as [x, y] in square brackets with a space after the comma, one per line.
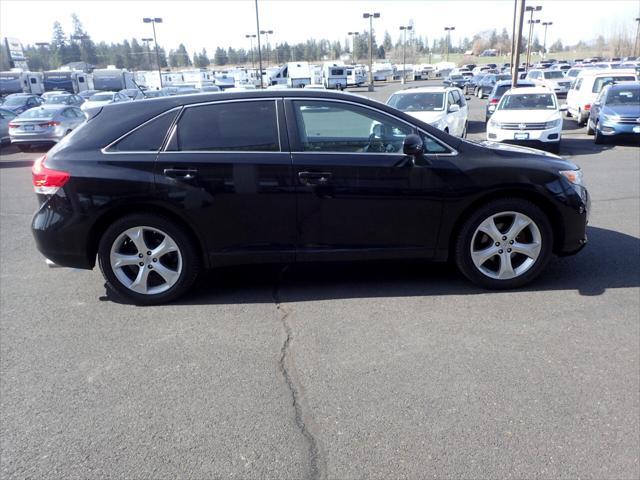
[211, 23]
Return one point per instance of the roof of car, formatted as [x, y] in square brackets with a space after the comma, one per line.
[587, 72]
[426, 89]
[623, 85]
[508, 82]
[531, 90]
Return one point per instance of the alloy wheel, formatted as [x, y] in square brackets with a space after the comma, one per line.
[506, 245]
[146, 260]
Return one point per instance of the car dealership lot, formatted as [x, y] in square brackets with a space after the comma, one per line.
[379, 370]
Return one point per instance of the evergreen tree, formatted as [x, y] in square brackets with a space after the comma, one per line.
[220, 57]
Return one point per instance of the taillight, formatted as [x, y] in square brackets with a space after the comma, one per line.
[45, 180]
[493, 101]
[13, 125]
[49, 124]
[587, 106]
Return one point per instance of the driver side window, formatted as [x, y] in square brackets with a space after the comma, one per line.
[325, 126]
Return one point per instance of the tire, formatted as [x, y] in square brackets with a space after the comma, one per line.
[537, 237]
[180, 262]
[580, 119]
[464, 131]
[589, 128]
[598, 138]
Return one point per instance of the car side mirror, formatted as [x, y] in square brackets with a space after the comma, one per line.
[454, 108]
[413, 146]
[564, 107]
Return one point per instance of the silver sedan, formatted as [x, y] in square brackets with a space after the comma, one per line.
[44, 125]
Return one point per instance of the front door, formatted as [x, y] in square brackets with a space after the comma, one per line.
[227, 168]
[358, 195]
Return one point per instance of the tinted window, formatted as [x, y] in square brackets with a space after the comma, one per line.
[148, 138]
[628, 96]
[418, 102]
[248, 126]
[602, 81]
[342, 127]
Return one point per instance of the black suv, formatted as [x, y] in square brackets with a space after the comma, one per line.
[159, 189]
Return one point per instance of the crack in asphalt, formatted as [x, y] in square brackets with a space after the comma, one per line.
[316, 472]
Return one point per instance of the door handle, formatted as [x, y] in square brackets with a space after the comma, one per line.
[314, 178]
[182, 173]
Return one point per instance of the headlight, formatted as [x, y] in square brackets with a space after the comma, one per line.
[574, 177]
[494, 123]
[553, 123]
[611, 118]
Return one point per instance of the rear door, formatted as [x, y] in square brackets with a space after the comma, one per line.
[227, 168]
[359, 196]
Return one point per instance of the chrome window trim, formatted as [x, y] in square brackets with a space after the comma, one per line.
[174, 127]
[452, 151]
[105, 150]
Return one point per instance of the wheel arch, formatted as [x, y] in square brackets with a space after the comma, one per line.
[531, 195]
[110, 216]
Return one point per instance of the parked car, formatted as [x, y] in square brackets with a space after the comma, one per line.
[472, 83]
[616, 113]
[487, 83]
[444, 108]
[46, 95]
[499, 89]
[44, 125]
[554, 80]
[85, 94]
[294, 175]
[101, 99]
[5, 117]
[455, 81]
[64, 99]
[21, 102]
[588, 85]
[155, 94]
[528, 116]
[133, 93]
[210, 88]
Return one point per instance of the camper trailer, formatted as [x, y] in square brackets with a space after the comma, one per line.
[292, 74]
[197, 78]
[72, 81]
[113, 79]
[334, 76]
[246, 76]
[356, 76]
[382, 71]
[21, 82]
[224, 79]
[149, 79]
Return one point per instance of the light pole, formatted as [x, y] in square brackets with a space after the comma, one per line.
[404, 29]
[531, 9]
[516, 56]
[146, 42]
[544, 42]
[251, 37]
[353, 45]
[636, 45]
[153, 22]
[266, 33]
[370, 16]
[448, 30]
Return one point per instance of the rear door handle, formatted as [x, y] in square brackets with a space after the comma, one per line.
[182, 173]
[314, 178]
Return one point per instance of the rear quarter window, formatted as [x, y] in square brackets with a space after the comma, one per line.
[146, 138]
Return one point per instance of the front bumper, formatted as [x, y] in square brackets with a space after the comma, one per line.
[551, 135]
[611, 128]
[36, 137]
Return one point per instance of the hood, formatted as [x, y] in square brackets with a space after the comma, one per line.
[428, 117]
[508, 150]
[622, 110]
[525, 116]
[14, 108]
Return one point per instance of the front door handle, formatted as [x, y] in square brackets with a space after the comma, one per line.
[182, 173]
[314, 178]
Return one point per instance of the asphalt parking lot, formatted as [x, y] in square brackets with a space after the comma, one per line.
[340, 371]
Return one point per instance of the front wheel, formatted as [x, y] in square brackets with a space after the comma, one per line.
[598, 138]
[504, 244]
[148, 259]
[589, 127]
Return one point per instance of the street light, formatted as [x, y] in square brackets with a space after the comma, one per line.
[404, 29]
[531, 9]
[153, 21]
[448, 30]
[251, 37]
[370, 16]
[353, 45]
[266, 33]
[544, 43]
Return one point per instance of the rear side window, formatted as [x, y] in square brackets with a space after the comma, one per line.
[149, 137]
[235, 126]
[602, 81]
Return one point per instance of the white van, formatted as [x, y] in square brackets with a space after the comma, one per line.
[588, 85]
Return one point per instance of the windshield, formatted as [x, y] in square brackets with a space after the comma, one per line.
[528, 101]
[38, 113]
[57, 99]
[503, 77]
[418, 102]
[15, 101]
[553, 75]
[602, 81]
[628, 96]
[154, 94]
[101, 97]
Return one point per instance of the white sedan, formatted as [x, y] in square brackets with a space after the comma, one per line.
[528, 116]
[104, 98]
[444, 108]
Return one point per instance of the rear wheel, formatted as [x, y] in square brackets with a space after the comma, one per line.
[598, 138]
[580, 119]
[148, 259]
[504, 244]
[589, 128]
